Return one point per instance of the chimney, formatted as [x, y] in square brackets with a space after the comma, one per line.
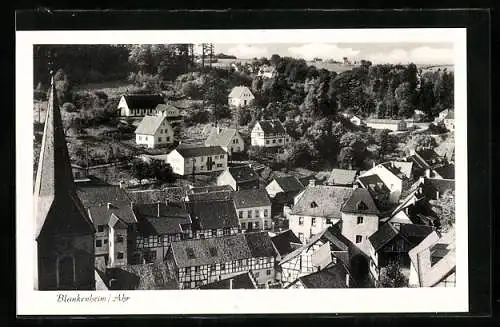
[108, 205]
[347, 280]
[312, 182]
[231, 284]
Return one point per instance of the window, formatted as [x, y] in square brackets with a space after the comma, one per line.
[314, 204]
[222, 266]
[243, 225]
[257, 214]
[301, 220]
[328, 221]
[168, 138]
[265, 212]
[222, 156]
[100, 228]
[274, 141]
[159, 139]
[98, 243]
[120, 255]
[240, 214]
[268, 272]
[186, 270]
[360, 220]
[280, 140]
[266, 224]
[256, 224]
[219, 165]
[214, 232]
[119, 239]
[256, 275]
[226, 231]
[359, 238]
[313, 221]
[249, 214]
[105, 241]
[190, 253]
[301, 237]
[213, 267]
[267, 141]
[197, 269]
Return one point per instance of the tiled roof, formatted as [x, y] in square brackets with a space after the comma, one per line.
[151, 276]
[58, 209]
[169, 194]
[150, 124]
[116, 222]
[216, 250]
[322, 201]
[411, 233]
[243, 173]
[251, 198]
[143, 101]
[283, 242]
[213, 214]
[101, 214]
[374, 184]
[272, 127]
[333, 276]
[289, 183]
[360, 202]
[433, 185]
[241, 92]
[198, 151]
[342, 176]
[210, 188]
[97, 195]
[211, 196]
[417, 161]
[402, 167]
[223, 138]
[161, 219]
[430, 156]
[446, 171]
[241, 281]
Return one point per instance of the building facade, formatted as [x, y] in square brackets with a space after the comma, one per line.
[134, 105]
[254, 209]
[197, 160]
[229, 139]
[269, 133]
[240, 96]
[154, 131]
[239, 178]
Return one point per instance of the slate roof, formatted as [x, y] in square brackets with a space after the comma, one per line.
[289, 184]
[167, 107]
[272, 127]
[243, 173]
[342, 177]
[333, 276]
[224, 138]
[57, 207]
[197, 252]
[168, 194]
[240, 91]
[374, 184]
[150, 124]
[360, 202]
[283, 242]
[417, 161]
[101, 214]
[143, 101]
[97, 195]
[241, 281]
[430, 156]
[322, 201]
[251, 198]
[151, 276]
[402, 169]
[211, 196]
[446, 171]
[213, 214]
[411, 233]
[171, 218]
[433, 185]
[209, 189]
[199, 151]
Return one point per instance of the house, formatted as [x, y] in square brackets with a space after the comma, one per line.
[342, 177]
[159, 224]
[449, 120]
[143, 277]
[100, 195]
[445, 171]
[269, 133]
[266, 71]
[154, 131]
[317, 208]
[245, 280]
[282, 191]
[165, 195]
[115, 225]
[392, 174]
[433, 261]
[360, 218]
[390, 124]
[378, 190]
[333, 276]
[240, 96]
[419, 115]
[213, 217]
[285, 242]
[187, 160]
[391, 244]
[239, 178]
[425, 158]
[133, 105]
[171, 113]
[64, 234]
[434, 188]
[356, 120]
[254, 209]
[199, 262]
[229, 139]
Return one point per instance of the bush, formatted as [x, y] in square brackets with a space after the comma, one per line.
[437, 129]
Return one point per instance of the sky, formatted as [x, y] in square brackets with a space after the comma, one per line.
[378, 53]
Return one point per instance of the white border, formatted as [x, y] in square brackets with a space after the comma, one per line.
[30, 302]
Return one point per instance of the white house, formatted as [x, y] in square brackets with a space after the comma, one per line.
[172, 113]
[254, 209]
[154, 131]
[269, 133]
[131, 105]
[391, 124]
[267, 71]
[392, 174]
[229, 139]
[240, 96]
[198, 159]
[356, 120]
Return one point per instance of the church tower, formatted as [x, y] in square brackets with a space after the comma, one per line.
[64, 233]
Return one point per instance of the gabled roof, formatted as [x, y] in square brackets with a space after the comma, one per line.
[58, 210]
[151, 276]
[433, 185]
[401, 169]
[150, 124]
[122, 210]
[360, 202]
[209, 189]
[241, 92]
[289, 183]
[374, 184]
[429, 156]
[241, 281]
[143, 101]
[116, 222]
[211, 196]
[342, 176]
[322, 201]
[97, 195]
[243, 173]
[334, 276]
[165, 107]
[213, 214]
[411, 233]
[199, 151]
[283, 242]
[446, 171]
[251, 198]
[161, 219]
[223, 138]
[168, 194]
[272, 127]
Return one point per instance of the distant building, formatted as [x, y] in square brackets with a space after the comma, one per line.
[378, 190]
[392, 173]
[240, 96]
[282, 191]
[229, 139]
[213, 217]
[390, 124]
[200, 262]
[154, 131]
[197, 159]
[269, 133]
[342, 177]
[266, 71]
[133, 105]
[239, 178]
[254, 209]
[356, 120]
[449, 121]
[171, 113]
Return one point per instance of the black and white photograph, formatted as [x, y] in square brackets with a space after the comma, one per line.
[253, 162]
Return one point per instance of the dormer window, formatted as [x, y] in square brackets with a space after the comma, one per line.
[314, 204]
[362, 206]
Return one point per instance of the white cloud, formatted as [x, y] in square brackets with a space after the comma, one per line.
[322, 50]
[243, 51]
[420, 55]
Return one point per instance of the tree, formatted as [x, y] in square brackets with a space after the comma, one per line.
[62, 85]
[140, 169]
[162, 171]
[421, 141]
[392, 277]
[216, 95]
[404, 98]
[444, 207]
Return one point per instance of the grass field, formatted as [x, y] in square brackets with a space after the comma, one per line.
[112, 89]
